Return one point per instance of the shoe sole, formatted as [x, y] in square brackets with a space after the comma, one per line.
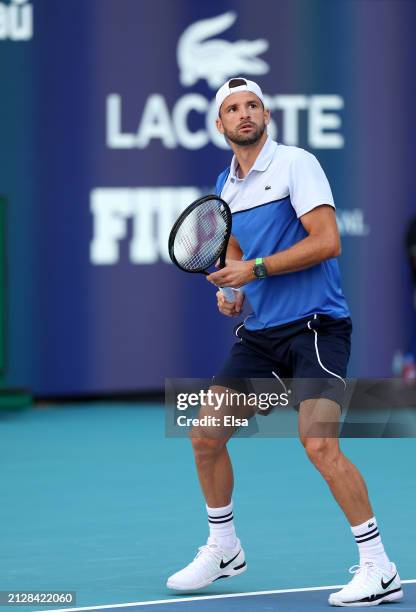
[228, 574]
[388, 598]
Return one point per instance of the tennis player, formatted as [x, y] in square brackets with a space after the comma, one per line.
[283, 255]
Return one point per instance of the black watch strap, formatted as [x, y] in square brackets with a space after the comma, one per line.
[259, 269]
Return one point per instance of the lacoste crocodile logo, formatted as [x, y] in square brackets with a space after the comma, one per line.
[216, 60]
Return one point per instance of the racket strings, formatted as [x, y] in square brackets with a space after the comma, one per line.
[200, 238]
[210, 245]
[201, 254]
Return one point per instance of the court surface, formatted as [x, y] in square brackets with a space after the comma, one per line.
[95, 499]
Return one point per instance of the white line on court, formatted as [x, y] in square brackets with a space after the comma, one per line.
[226, 596]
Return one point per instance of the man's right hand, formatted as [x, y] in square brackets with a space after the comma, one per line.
[230, 309]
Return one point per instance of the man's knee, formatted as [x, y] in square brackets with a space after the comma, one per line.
[205, 447]
[322, 452]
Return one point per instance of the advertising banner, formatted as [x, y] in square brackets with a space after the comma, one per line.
[108, 133]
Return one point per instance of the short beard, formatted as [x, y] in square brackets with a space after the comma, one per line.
[245, 141]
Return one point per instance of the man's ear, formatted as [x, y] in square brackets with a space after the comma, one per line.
[267, 116]
[219, 125]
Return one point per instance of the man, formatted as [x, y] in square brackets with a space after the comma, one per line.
[282, 252]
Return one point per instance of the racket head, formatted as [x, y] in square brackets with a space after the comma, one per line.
[200, 235]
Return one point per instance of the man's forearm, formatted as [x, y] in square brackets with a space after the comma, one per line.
[234, 250]
[308, 252]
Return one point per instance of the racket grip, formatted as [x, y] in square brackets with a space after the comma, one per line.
[228, 294]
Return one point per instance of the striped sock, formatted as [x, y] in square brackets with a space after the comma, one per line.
[221, 526]
[369, 543]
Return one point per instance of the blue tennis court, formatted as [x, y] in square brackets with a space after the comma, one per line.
[290, 600]
[96, 500]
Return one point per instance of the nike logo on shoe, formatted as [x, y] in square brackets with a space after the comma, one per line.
[387, 584]
[267, 187]
[222, 564]
[370, 525]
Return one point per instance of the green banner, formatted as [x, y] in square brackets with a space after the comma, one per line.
[3, 285]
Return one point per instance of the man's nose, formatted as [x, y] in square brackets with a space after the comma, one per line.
[245, 113]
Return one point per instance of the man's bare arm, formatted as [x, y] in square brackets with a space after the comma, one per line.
[321, 243]
[233, 250]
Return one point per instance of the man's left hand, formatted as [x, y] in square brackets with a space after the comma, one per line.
[235, 274]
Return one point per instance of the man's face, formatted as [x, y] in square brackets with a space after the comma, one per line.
[242, 118]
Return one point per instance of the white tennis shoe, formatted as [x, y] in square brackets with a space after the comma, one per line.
[211, 563]
[370, 586]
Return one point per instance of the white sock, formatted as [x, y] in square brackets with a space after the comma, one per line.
[221, 526]
[369, 544]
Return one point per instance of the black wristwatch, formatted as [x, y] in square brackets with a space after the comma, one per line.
[259, 269]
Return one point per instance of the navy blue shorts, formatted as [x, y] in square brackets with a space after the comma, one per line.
[316, 349]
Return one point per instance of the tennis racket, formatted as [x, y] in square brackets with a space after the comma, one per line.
[200, 237]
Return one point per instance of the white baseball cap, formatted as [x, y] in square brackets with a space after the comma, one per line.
[235, 85]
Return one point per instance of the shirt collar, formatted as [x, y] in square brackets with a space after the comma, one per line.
[263, 159]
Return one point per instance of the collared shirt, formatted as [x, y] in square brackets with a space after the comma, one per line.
[283, 184]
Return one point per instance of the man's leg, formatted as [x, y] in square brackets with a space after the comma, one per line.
[345, 481]
[213, 462]
[217, 559]
[376, 578]
[222, 556]
[214, 467]
[215, 471]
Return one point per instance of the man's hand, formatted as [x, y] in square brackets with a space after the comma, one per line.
[230, 309]
[235, 274]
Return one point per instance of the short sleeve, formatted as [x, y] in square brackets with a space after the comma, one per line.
[308, 185]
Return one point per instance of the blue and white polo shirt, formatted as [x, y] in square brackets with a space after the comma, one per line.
[284, 183]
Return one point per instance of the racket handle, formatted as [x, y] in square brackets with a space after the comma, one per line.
[228, 294]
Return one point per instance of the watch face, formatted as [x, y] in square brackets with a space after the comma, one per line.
[260, 271]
